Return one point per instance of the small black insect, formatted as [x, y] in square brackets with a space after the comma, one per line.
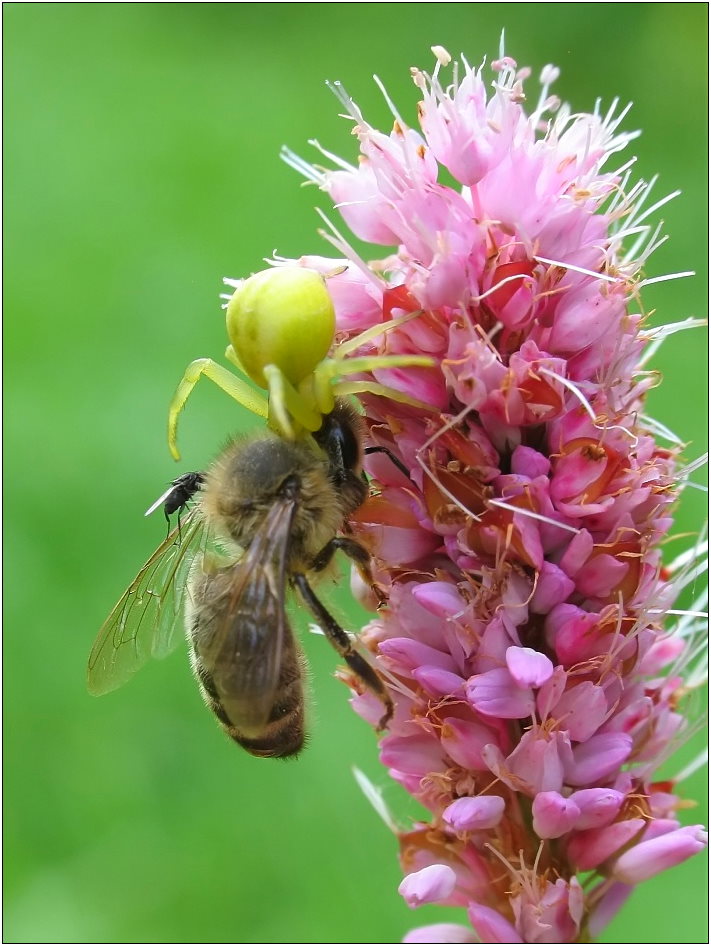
[178, 495]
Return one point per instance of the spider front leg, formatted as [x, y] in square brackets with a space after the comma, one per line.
[243, 393]
[326, 383]
[286, 404]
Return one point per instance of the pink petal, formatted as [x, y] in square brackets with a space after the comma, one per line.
[598, 758]
[607, 907]
[581, 710]
[588, 849]
[463, 740]
[491, 926]
[438, 682]
[528, 667]
[440, 598]
[553, 587]
[495, 693]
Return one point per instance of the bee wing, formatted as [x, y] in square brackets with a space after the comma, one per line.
[145, 621]
[243, 653]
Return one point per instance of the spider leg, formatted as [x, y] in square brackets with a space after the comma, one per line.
[243, 393]
[286, 405]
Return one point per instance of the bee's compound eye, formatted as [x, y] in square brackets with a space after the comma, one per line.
[282, 316]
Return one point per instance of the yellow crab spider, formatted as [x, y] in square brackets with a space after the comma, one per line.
[281, 325]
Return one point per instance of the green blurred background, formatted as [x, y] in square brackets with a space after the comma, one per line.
[142, 166]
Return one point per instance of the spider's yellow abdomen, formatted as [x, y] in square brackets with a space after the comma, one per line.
[284, 317]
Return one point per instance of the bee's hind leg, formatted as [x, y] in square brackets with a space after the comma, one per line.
[341, 642]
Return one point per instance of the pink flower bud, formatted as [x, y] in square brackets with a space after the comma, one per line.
[553, 588]
[648, 858]
[553, 815]
[440, 598]
[429, 885]
[474, 814]
[440, 933]
[598, 806]
[410, 653]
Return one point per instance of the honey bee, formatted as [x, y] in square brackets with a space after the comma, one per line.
[265, 517]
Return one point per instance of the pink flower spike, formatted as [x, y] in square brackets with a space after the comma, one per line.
[648, 858]
[528, 667]
[440, 933]
[491, 926]
[429, 885]
[523, 621]
[474, 814]
[553, 815]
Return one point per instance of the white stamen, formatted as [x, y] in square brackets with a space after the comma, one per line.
[375, 798]
[693, 466]
[339, 162]
[344, 98]
[441, 55]
[660, 430]
[697, 551]
[301, 166]
[658, 335]
[336, 239]
[696, 763]
[578, 269]
[660, 203]
[573, 389]
[499, 284]
[693, 614]
[650, 282]
[533, 515]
